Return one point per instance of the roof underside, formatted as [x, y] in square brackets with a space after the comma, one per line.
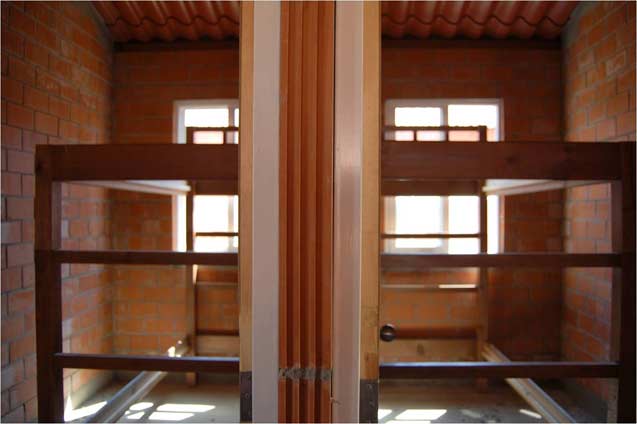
[219, 20]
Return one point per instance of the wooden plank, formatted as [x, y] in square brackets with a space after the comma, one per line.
[216, 187]
[198, 364]
[217, 234]
[48, 290]
[444, 333]
[623, 287]
[501, 260]
[436, 370]
[511, 160]
[246, 101]
[325, 157]
[132, 392]
[136, 162]
[413, 187]
[511, 187]
[529, 391]
[169, 188]
[142, 257]
[191, 292]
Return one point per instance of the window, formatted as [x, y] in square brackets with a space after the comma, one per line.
[212, 214]
[430, 215]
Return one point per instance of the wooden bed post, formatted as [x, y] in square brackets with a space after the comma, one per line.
[48, 290]
[191, 289]
[483, 281]
[623, 289]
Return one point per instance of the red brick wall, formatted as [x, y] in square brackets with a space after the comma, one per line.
[529, 82]
[56, 82]
[146, 86]
[599, 105]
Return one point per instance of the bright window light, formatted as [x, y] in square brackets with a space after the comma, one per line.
[382, 413]
[71, 414]
[216, 214]
[421, 414]
[210, 117]
[457, 286]
[531, 414]
[185, 407]
[135, 416]
[474, 115]
[418, 215]
[140, 406]
[418, 117]
[170, 416]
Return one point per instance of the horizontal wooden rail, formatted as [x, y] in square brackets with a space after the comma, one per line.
[501, 260]
[442, 128]
[425, 370]
[428, 236]
[510, 160]
[216, 187]
[216, 234]
[392, 187]
[143, 257]
[147, 363]
[140, 162]
[406, 333]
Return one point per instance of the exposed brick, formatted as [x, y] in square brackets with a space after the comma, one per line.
[19, 116]
[21, 162]
[45, 123]
[36, 99]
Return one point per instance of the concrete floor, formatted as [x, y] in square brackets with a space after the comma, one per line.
[417, 402]
[177, 403]
[401, 402]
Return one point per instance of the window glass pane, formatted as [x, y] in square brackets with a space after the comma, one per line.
[216, 244]
[208, 137]
[209, 117]
[473, 115]
[418, 117]
[493, 224]
[214, 214]
[464, 214]
[464, 246]
[418, 215]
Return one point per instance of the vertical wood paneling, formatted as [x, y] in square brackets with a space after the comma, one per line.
[245, 207]
[306, 190]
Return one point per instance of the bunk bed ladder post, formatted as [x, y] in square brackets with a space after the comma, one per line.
[191, 289]
[623, 286]
[48, 290]
[483, 281]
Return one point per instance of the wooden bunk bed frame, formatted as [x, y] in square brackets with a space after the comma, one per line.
[465, 168]
[104, 164]
[452, 168]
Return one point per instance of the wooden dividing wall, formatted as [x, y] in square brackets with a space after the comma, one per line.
[306, 192]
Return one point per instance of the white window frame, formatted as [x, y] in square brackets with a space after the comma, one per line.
[443, 104]
[179, 137]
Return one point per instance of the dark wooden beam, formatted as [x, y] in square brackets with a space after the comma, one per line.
[147, 363]
[144, 162]
[427, 370]
[505, 160]
[411, 187]
[181, 45]
[431, 44]
[501, 260]
[143, 257]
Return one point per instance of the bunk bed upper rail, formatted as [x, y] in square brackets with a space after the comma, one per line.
[504, 160]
